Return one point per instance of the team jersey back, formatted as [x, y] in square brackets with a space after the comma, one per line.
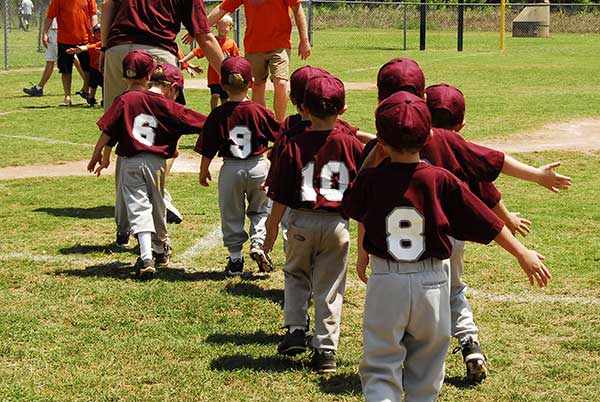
[409, 209]
[156, 23]
[315, 169]
[144, 121]
[237, 130]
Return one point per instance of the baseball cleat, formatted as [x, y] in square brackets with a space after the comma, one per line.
[262, 260]
[475, 360]
[234, 267]
[323, 361]
[122, 239]
[174, 216]
[162, 260]
[145, 269]
[34, 91]
[293, 343]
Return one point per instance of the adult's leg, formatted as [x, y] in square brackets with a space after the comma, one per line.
[279, 64]
[260, 72]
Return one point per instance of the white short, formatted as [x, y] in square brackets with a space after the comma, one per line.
[52, 49]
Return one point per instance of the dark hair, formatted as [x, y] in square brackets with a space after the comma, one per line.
[442, 118]
[385, 93]
[326, 108]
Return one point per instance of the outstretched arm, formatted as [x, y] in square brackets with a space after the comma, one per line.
[211, 49]
[512, 220]
[545, 175]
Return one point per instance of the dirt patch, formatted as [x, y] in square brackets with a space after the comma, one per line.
[577, 135]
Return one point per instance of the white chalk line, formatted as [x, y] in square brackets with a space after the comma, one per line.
[508, 298]
[202, 246]
[46, 140]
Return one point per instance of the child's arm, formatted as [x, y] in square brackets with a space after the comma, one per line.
[204, 172]
[375, 157]
[272, 225]
[544, 175]
[362, 259]
[365, 137]
[530, 260]
[188, 57]
[97, 154]
[512, 220]
[106, 151]
[77, 49]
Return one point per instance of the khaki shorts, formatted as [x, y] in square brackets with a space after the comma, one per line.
[276, 62]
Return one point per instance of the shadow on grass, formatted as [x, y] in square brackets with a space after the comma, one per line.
[257, 338]
[252, 290]
[99, 212]
[240, 362]
[97, 248]
[341, 384]
[117, 270]
[74, 105]
[460, 382]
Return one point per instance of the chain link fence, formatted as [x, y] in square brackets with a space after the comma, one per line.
[369, 24]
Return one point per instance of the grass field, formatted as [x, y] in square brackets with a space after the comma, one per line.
[74, 326]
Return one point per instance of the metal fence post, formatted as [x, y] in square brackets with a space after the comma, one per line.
[6, 34]
[310, 22]
[460, 25]
[404, 26]
[237, 27]
[423, 27]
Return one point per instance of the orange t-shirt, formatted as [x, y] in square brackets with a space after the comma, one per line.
[73, 16]
[268, 23]
[94, 52]
[228, 47]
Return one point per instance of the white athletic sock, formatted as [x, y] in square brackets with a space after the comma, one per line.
[235, 255]
[145, 242]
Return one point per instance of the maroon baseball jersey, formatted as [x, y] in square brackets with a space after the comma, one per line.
[409, 209]
[486, 192]
[237, 130]
[156, 23]
[144, 121]
[315, 169]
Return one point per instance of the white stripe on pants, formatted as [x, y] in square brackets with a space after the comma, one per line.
[406, 330]
[316, 264]
[238, 179]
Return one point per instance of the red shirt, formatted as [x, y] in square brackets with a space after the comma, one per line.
[144, 121]
[74, 20]
[156, 23]
[315, 169]
[237, 130]
[409, 209]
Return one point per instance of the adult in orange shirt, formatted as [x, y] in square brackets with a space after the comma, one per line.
[75, 21]
[268, 43]
[229, 48]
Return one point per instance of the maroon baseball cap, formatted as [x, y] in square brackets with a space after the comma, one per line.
[403, 121]
[138, 64]
[325, 95]
[236, 64]
[400, 75]
[298, 81]
[449, 98]
[172, 74]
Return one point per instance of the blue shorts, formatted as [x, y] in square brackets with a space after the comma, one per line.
[217, 89]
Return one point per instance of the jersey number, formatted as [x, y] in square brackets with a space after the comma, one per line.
[405, 238]
[143, 129]
[241, 136]
[326, 189]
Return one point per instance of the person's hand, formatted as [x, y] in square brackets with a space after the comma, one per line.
[204, 178]
[517, 224]
[531, 263]
[271, 236]
[187, 39]
[96, 158]
[552, 180]
[362, 261]
[74, 50]
[196, 69]
[103, 164]
[45, 40]
[304, 49]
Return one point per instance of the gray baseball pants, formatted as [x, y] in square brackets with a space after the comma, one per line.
[142, 179]
[462, 324]
[240, 179]
[316, 260]
[406, 330]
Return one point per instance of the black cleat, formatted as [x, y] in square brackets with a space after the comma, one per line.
[234, 267]
[293, 343]
[34, 91]
[145, 269]
[162, 260]
[173, 216]
[122, 239]
[324, 361]
[474, 360]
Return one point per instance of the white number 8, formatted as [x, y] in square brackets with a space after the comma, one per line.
[241, 136]
[405, 240]
[143, 129]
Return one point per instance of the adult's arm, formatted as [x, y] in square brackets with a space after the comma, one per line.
[108, 7]
[212, 51]
[215, 15]
[304, 45]
[47, 23]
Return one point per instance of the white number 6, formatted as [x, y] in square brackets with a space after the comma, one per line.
[405, 227]
[143, 129]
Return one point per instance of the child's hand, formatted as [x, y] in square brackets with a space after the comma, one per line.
[195, 69]
[551, 180]
[96, 159]
[187, 39]
[271, 236]
[518, 224]
[204, 178]
[362, 261]
[103, 165]
[532, 264]
[74, 50]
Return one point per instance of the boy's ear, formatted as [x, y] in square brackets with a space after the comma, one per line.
[459, 126]
[343, 110]
[251, 83]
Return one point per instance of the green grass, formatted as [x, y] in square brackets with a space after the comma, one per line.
[75, 326]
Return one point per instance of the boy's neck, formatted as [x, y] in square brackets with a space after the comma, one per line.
[219, 36]
[137, 87]
[239, 97]
[404, 157]
[323, 124]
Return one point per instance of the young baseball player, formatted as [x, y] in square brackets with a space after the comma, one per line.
[147, 126]
[96, 79]
[239, 130]
[229, 48]
[478, 167]
[406, 322]
[312, 173]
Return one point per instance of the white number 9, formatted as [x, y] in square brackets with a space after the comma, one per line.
[143, 129]
[241, 136]
[405, 227]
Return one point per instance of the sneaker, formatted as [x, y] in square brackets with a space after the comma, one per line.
[173, 216]
[293, 343]
[162, 260]
[122, 239]
[145, 269]
[92, 101]
[234, 267]
[262, 260]
[34, 91]
[323, 361]
[83, 94]
[474, 360]
[66, 103]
